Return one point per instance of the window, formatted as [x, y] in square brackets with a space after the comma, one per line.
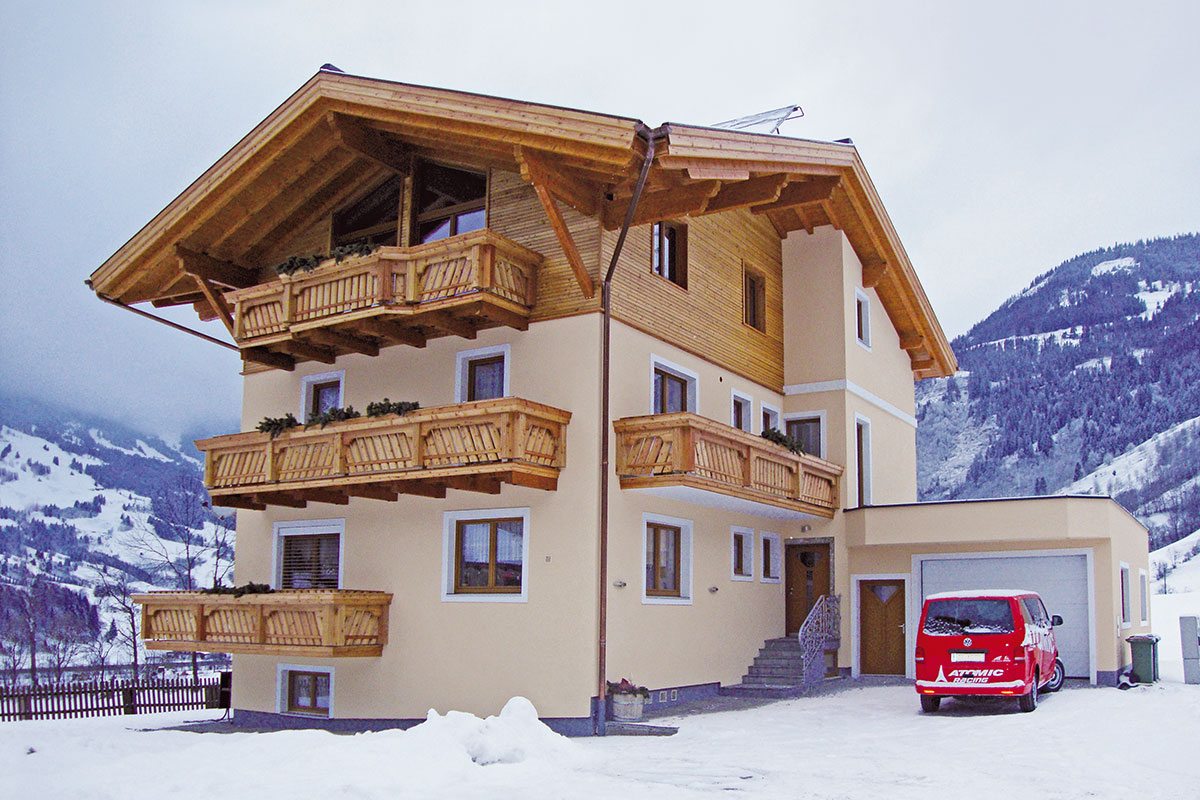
[862, 318]
[669, 251]
[308, 554]
[667, 548]
[375, 219]
[486, 555]
[809, 431]
[742, 412]
[319, 393]
[754, 299]
[770, 417]
[772, 558]
[306, 691]
[447, 202]
[1035, 612]
[959, 616]
[1144, 580]
[742, 545]
[673, 388]
[482, 374]
[1126, 600]
[862, 461]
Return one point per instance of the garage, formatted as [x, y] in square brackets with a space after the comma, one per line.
[1062, 579]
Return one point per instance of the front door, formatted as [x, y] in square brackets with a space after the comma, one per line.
[807, 575]
[881, 627]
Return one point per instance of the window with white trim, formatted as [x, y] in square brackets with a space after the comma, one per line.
[667, 551]
[862, 460]
[862, 318]
[1144, 582]
[308, 554]
[321, 392]
[741, 412]
[305, 690]
[1126, 599]
[807, 430]
[482, 374]
[741, 546]
[486, 555]
[772, 557]
[770, 418]
[672, 388]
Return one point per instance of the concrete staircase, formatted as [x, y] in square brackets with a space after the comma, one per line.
[777, 671]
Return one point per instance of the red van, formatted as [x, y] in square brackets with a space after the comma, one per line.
[997, 642]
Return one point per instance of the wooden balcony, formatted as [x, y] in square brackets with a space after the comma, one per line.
[302, 622]
[699, 455]
[395, 295]
[473, 446]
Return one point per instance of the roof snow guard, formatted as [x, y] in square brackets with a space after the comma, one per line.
[341, 132]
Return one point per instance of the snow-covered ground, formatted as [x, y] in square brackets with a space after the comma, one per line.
[1165, 611]
[867, 742]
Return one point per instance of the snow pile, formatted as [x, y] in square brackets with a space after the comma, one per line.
[516, 735]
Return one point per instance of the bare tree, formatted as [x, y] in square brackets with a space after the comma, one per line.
[66, 638]
[99, 649]
[116, 591]
[224, 531]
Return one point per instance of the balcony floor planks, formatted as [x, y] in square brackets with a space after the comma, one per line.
[244, 648]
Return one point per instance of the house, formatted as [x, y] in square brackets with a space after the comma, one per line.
[598, 321]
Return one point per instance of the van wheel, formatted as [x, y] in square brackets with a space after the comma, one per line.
[930, 704]
[1029, 700]
[1058, 678]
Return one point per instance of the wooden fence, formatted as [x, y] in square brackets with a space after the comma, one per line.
[108, 698]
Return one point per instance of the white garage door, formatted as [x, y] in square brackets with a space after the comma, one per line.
[1061, 580]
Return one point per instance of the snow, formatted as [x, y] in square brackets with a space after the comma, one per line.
[1165, 611]
[1134, 468]
[1185, 577]
[1115, 265]
[980, 593]
[1155, 299]
[142, 450]
[1062, 336]
[864, 742]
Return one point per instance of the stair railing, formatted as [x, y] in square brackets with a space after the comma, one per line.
[820, 631]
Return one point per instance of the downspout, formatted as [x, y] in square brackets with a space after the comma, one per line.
[165, 321]
[605, 347]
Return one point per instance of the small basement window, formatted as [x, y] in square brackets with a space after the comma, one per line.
[448, 202]
[742, 552]
[754, 299]
[375, 219]
[308, 692]
[669, 252]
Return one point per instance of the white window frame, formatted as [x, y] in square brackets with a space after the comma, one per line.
[450, 520]
[305, 527]
[1125, 577]
[776, 557]
[747, 401]
[281, 689]
[692, 379]
[817, 415]
[862, 304]
[308, 381]
[462, 362]
[868, 490]
[685, 560]
[1144, 594]
[747, 552]
[767, 408]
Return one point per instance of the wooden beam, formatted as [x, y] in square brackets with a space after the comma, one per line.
[666, 204]
[537, 169]
[486, 484]
[216, 300]
[373, 492]
[747, 193]
[545, 482]
[339, 339]
[796, 194]
[238, 501]
[296, 347]
[389, 330]
[269, 358]
[369, 143]
[503, 316]
[204, 267]
[718, 173]
[447, 323]
[873, 271]
[280, 499]
[326, 496]
[565, 241]
[435, 489]
[922, 364]
[911, 341]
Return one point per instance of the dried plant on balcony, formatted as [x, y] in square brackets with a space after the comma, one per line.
[277, 425]
[776, 436]
[334, 414]
[310, 262]
[238, 591]
[381, 408]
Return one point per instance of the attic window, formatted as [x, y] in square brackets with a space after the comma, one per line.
[448, 202]
[375, 219]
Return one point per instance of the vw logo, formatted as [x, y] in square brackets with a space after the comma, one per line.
[967, 642]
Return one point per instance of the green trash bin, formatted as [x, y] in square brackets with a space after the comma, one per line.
[1144, 648]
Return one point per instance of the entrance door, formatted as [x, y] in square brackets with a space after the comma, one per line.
[807, 575]
[881, 627]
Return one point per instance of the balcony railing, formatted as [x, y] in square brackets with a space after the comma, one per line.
[394, 295]
[304, 622]
[692, 451]
[473, 446]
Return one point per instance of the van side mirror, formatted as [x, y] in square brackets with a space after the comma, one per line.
[1056, 620]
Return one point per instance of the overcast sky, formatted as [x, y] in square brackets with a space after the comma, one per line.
[1003, 138]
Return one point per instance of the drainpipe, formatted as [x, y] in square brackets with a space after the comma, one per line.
[605, 346]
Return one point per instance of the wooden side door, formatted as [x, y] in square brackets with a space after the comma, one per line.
[807, 576]
[881, 612]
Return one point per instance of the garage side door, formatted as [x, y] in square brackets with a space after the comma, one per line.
[1061, 580]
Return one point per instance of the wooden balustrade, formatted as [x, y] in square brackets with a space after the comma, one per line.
[307, 622]
[395, 295]
[474, 446]
[689, 450]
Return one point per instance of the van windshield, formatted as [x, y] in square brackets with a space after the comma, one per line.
[956, 617]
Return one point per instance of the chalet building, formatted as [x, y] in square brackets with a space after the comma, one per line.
[598, 321]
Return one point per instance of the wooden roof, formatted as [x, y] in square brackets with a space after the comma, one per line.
[340, 134]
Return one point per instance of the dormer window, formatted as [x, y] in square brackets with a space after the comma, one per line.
[374, 219]
[448, 202]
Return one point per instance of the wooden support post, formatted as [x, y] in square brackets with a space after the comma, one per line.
[200, 623]
[565, 241]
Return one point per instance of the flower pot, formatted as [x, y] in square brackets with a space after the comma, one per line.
[627, 707]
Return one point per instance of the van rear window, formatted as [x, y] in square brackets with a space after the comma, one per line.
[957, 617]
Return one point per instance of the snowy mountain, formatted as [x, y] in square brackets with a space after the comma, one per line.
[1087, 382]
[91, 509]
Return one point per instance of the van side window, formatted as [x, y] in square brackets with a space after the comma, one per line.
[1035, 612]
